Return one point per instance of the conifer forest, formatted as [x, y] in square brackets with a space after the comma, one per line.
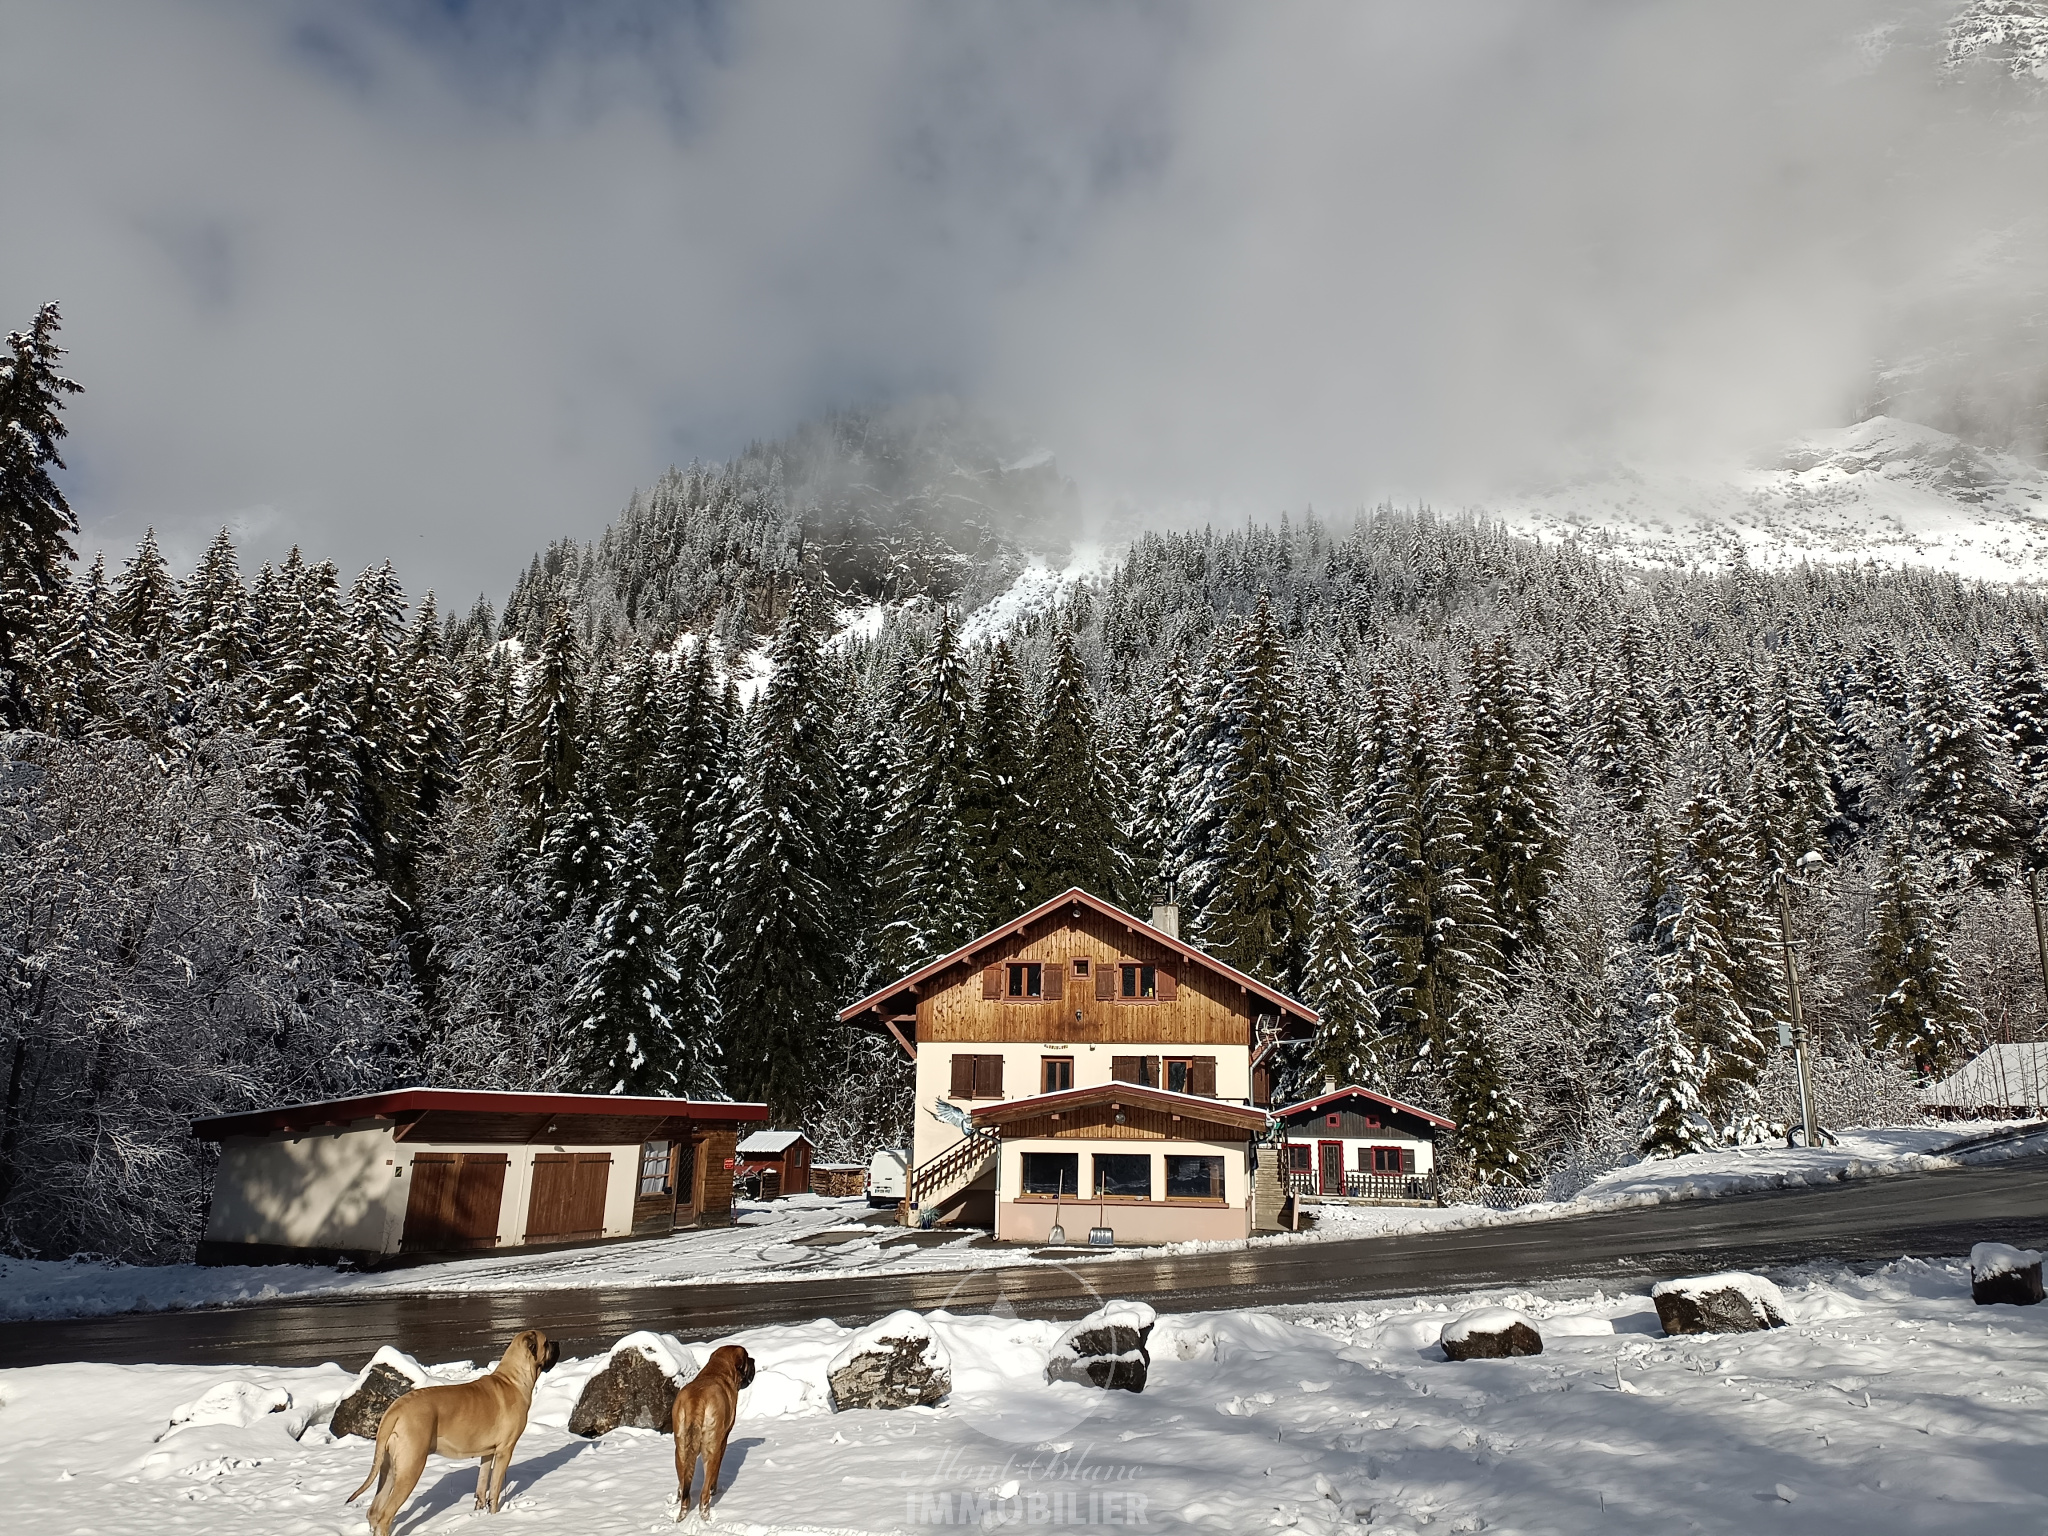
[1536, 831]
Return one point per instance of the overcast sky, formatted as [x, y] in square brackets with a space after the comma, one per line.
[445, 281]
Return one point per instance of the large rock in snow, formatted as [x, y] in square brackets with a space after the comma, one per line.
[1733, 1302]
[636, 1388]
[896, 1363]
[1107, 1348]
[1491, 1333]
[1999, 1274]
[387, 1378]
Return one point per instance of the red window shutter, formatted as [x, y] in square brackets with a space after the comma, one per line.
[991, 983]
[1166, 985]
[963, 1076]
[1202, 1079]
[1055, 980]
[1105, 982]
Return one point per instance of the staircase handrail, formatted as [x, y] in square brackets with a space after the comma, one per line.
[940, 1170]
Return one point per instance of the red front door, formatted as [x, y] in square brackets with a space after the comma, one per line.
[1331, 1155]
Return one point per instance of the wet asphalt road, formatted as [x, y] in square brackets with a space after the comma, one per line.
[1928, 1214]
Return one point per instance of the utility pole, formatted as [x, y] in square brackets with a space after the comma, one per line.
[1783, 884]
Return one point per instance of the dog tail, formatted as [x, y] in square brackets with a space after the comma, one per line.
[376, 1466]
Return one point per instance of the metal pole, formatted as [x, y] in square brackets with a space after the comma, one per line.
[2040, 934]
[1798, 1014]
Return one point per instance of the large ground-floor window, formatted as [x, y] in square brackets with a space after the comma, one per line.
[1193, 1178]
[1052, 1173]
[1124, 1174]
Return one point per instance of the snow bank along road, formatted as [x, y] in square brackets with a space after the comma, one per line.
[1890, 1405]
[1940, 1213]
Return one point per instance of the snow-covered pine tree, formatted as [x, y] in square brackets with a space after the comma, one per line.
[546, 737]
[81, 660]
[1261, 899]
[1336, 985]
[147, 615]
[1921, 1011]
[679, 799]
[927, 851]
[623, 1002]
[779, 939]
[1491, 1121]
[385, 770]
[1431, 951]
[1961, 787]
[36, 522]
[1077, 829]
[433, 740]
[1672, 1073]
[1509, 784]
[221, 642]
[1156, 823]
[1792, 783]
[1722, 879]
[997, 813]
[1701, 987]
[306, 719]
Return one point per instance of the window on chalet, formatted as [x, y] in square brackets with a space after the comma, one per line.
[1123, 1175]
[1386, 1159]
[1056, 1074]
[654, 1161]
[1081, 970]
[976, 1077]
[1027, 980]
[1194, 1178]
[1297, 1156]
[1052, 1173]
[1140, 983]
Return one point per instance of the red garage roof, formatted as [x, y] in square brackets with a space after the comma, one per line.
[412, 1104]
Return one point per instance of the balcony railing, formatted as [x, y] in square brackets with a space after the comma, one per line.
[1364, 1186]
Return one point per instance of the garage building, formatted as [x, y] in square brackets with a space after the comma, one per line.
[452, 1170]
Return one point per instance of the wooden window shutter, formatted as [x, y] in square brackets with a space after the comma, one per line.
[963, 1076]
[1126, 1069]
[991, 984]
[1105, 982]
[1152, 1078]
[1167, 986]
[1407, 1159]
[988, 1079]
[1202, 1079]
[1055, 980]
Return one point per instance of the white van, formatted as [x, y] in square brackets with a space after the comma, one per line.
[888, 1176]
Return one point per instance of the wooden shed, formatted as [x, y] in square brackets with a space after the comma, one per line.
[451, 1170]
[780, 1160]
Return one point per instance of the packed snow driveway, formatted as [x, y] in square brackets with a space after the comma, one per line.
[1926, 1214]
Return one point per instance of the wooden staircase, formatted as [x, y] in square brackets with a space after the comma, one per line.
[937, 1179]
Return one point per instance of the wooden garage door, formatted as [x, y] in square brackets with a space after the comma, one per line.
[453, 1202]
[568, 1196]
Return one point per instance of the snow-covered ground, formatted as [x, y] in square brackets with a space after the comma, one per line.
[1890, 1404]
[808, 1236]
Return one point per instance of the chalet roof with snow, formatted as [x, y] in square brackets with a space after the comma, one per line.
[769, 1143]
[482, 1115]
[901, 995]
[1351, 1096]
[2003, 1077]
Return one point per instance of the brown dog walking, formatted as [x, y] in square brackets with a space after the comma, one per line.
[702, 1419]
[483, 1418]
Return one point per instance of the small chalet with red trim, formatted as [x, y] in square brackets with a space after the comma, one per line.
[452, 1170]
[1083, 1068]
[1351, 1143]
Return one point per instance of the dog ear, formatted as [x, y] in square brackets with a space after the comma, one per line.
[746, 1370]
[553, 1355]
[532, 1348]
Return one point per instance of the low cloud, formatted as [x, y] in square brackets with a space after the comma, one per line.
[443, 283]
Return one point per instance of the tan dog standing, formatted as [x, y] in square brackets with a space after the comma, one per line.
[483, 1418]
[702, 1420]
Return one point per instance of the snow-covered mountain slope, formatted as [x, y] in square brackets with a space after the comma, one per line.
[1883, 490]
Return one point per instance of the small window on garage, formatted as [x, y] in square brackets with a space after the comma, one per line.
[654, 1161]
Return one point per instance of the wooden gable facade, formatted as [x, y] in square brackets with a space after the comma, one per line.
[1092, 975]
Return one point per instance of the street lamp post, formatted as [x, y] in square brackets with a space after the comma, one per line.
[1782, 883]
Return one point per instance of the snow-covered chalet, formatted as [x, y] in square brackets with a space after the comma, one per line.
[1081, 1067]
